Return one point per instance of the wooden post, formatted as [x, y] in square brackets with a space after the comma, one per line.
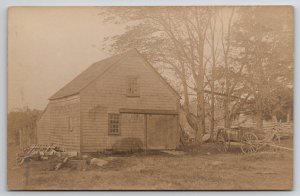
[25, 138]
[20, 139]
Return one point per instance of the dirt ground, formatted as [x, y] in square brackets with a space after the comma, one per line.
[206, 169]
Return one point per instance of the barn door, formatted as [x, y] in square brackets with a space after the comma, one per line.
[161, 131]
[132, 129]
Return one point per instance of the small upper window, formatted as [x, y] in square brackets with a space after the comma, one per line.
[113, 123]
[132, 89]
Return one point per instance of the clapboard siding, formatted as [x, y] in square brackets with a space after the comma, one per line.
[107, 94]
[132, 130]
[61, 133]
[102, 89]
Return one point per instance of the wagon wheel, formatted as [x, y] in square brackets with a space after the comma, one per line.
[222, 142]
[249, 143]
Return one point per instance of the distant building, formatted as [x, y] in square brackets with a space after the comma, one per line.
[119, 102]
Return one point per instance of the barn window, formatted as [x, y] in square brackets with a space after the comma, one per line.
[113, 123]
[132, 89]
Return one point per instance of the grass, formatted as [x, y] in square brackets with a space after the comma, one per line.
[206, 169]
[266, 156]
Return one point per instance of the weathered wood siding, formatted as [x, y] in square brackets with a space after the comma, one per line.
[43, 128]
[107, 94]
[160, 131]
[62, 132]
[132, 133]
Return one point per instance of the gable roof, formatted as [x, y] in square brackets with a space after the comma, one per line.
[93, 72]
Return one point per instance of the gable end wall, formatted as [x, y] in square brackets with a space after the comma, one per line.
[108, 94]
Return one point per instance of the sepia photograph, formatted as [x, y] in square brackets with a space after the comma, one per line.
[150, 98]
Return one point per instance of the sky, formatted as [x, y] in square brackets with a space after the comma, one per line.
[48, 47]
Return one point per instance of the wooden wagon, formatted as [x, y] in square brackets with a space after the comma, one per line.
[249, 139]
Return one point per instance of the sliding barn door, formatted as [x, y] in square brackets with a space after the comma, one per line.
[162, 132]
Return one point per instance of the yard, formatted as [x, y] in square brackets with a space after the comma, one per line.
[206, 169]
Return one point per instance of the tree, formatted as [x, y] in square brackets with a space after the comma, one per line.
[22, 119]
[228, 71]
[235, 55]
[172, 38]
[264, 36]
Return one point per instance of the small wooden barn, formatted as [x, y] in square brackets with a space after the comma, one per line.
[120, 102]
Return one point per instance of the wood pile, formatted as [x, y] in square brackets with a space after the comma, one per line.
[45, 152]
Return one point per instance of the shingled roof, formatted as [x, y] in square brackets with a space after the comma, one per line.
[86, 77]
[93, 72]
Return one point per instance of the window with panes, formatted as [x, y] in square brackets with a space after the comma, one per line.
[113, 123]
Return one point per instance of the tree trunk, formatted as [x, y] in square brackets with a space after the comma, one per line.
[212, 117]
[226, 48]
[200, 116]
[259, 112]
[259, 120]
[226, 122]
[200, 101]
[185, 90]
[226, 101]
[260, 95]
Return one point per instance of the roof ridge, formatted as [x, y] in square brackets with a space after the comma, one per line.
[97, 69]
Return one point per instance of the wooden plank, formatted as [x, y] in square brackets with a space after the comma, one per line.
[59, 165]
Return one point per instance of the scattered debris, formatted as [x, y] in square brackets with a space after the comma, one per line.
[45, 152]
[70, 154]
[44, 158]
[59, 165]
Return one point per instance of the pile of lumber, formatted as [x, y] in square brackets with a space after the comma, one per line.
[44, 152]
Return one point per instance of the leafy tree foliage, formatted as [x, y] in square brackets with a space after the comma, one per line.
[241, 57]
[22, 119]
[264, 35]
